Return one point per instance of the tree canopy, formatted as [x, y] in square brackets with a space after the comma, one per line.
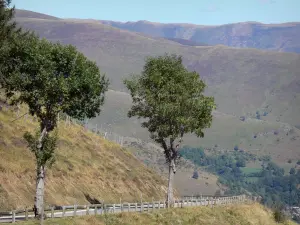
[52, 78]
[170, 98]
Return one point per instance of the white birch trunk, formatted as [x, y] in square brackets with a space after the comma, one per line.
[170, 197]
[40, 180]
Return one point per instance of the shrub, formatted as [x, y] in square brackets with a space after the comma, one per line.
[298, 163]
[275, 132]
[236, 148]
[265, 113]
[279, 216]
[195, 175]
[258, 116]
[289, 161]
[292, 171]
[242, 118]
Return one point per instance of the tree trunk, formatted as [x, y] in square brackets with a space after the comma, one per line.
[170, 199]
[39, 194]
[40, 180]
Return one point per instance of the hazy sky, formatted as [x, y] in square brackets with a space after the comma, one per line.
[206, 12]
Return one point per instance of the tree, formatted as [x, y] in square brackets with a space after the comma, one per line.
[9, 31]
[51, 78]
[8, 27]
[236, 148]
[170, 99]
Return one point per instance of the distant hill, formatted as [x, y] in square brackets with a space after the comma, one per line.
[20, 13]
[278, 37]
[187, 42]
[244, 81]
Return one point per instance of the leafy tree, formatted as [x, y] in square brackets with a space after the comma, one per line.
[8, 27]
[51, 78]
[171, 100]
[9, 31]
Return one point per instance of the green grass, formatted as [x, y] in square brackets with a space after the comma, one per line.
[247, 170]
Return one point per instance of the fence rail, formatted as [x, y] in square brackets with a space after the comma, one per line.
[100, 209]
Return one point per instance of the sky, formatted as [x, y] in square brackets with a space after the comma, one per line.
[204, 12]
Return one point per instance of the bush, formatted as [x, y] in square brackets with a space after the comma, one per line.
[236, 148]
[195, 175]
[292, 171]
[265, 113]
[289, 161]
[298, 163]
[275, 132]
[258, 116]
[279, 216]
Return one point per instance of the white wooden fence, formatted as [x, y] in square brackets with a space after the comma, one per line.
[100, 209]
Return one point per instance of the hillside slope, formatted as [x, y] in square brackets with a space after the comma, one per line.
[253, 214]
[242, 80]
[85, 164]
[278, 37]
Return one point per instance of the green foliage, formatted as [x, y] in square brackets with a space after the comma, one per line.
[171, 100]
[169, 96]
[49, 144]
[268, 181]
[52, 78]
[292, 171]
[298, 162]
[279, 216]
[8, 27]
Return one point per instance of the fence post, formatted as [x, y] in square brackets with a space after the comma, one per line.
[96, 209]
[26, 213]
[63, 213]
[158, 204]
[128, 207]
[52, 211]
[102, 207]
[142, 206]
[136, 207]
[121, 207]
[114, 208]
[87, 210]
[13, 216]
[75, 210]
[153, 205]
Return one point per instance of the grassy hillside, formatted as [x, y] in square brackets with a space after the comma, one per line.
[278, 37]
[262, 137]
[237, 214]
[242, 80]
[85, 165]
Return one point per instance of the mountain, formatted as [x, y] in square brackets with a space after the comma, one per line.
[263, 86]
[278, 37]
